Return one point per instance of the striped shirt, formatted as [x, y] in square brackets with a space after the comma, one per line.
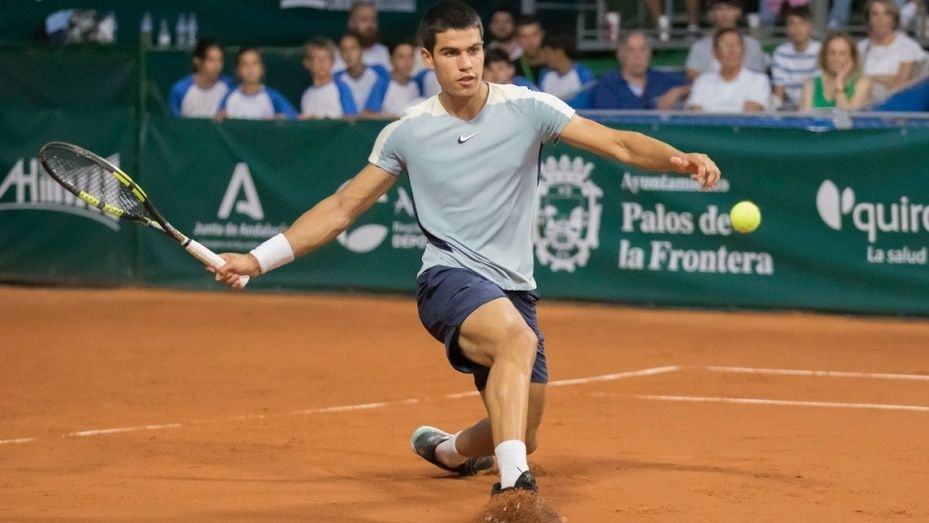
[791, 69]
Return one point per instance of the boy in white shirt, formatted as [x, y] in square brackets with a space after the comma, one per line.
[368, 83]
[252, 100]
[327, 97]
[402, 91]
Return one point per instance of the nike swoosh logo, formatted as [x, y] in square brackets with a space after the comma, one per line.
[462, 138]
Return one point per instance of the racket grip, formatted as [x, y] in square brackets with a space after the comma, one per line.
[208, 257]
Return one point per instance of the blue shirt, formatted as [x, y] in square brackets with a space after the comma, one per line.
[368, 90]
[612, 92]
[475, 182]
[575, 87]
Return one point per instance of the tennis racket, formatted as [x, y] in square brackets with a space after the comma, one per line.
[104, 186]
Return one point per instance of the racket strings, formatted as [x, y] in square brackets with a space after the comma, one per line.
[85, 174]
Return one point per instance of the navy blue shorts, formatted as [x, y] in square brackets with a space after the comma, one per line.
[446, 296]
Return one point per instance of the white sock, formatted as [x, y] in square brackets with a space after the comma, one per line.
[448, 454]
[511, 460]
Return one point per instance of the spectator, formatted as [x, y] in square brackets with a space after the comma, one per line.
[367, 83]
[363, 23]
[198, 95]
[427, 82]
[402, 91]
[252, 100]
[499, 69]
[725, 14]
[840, 83]
[733, 88]
[327, 97]
[563, 77]
[529, 35]
[795, 60]
[637, 85]
[888, 56]
[502, 30]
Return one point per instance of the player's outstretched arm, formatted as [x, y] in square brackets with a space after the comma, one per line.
[313, 229]
[638, 150]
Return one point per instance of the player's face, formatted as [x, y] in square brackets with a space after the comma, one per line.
[500, 72]
[635, 55]
[351, 52]
[250, 69]
[725, 15]
[799, 29]
[502, 26]
[458, 58]
[212, 64]
[403, 59]
[729, 51]
[318, 61]
[529, 37]
[838, 56]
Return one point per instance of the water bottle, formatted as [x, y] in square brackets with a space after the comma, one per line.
[180, 31]
[145, 31]
[164, 36]
[192, 30]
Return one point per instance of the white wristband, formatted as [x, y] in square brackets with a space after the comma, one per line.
[273, 253]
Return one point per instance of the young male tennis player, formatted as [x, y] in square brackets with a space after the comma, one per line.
[472, 154]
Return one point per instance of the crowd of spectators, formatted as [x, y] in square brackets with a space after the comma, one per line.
[726, 70]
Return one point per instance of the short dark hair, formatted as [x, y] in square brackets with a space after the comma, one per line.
[800, 11]
[528, 20]
[445, 16]
[246, 49]
[494, 55]
[393, 47]
[562, 41]
[502, 10]
[204, 45]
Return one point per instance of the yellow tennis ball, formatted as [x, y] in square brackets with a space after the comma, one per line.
[745, 216]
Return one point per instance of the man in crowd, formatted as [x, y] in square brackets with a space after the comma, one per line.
[502, 30]
[794, 61]
[529, 36]
[733, 88]
[363, 23]
[725, 14]
[636, 85]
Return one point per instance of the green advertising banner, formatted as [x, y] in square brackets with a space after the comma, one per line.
[46, 234]
[845, 215]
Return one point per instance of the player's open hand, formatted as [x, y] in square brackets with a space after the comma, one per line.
[700, 167]
[236, 265]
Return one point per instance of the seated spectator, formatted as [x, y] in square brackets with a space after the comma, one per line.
[502, 32]
[888, 56]
[840, 83]
[252, 100]
[733, 88]
[795, 60]
[327, 97]
[363, 23]
[636, 85]
[367, 83]
[427, 82]
[725, 14]
[529, 36]
[198, 95]
[563, 77]
[402, 91]
[499, 69]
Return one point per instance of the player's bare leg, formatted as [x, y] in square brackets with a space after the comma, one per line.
[477, 440]
[496, 336]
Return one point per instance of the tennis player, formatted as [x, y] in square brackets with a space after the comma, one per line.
[472, 154]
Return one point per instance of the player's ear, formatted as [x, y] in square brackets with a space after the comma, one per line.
[427, 58]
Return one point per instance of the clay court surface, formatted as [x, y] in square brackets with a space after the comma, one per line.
[151, 405]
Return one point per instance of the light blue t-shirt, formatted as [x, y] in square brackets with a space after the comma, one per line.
[474, 182]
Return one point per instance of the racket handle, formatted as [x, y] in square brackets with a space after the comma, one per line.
[198, 251]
